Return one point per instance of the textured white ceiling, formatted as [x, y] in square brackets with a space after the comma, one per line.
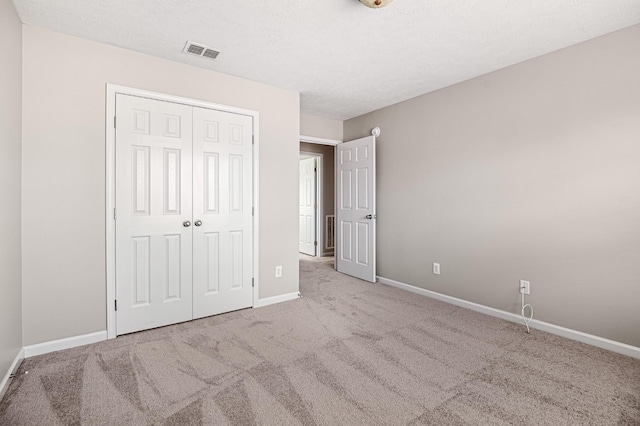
[345, 59]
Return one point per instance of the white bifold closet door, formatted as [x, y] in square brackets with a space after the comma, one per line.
[222, 211]
[184, 213]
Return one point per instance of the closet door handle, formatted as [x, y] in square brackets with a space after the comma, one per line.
[198, 223]
[186, 224]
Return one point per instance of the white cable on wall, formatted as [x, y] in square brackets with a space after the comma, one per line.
[526, 319]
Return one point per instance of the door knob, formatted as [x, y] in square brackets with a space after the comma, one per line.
[198, 223]
[186, 224]
[370, 216]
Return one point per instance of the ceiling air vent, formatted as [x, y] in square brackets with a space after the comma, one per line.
[201, 50]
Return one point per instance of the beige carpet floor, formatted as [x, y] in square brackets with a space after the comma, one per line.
[347, 353]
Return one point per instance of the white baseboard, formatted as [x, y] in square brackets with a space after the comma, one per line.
[277, 299]
[69, 342]
[589, 339]
[4, 384]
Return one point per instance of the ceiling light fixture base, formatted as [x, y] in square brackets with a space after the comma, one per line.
[376, 4]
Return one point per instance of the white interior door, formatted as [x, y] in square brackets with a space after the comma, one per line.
[153, 206]
[184, 205]
[356, 209]
[308, 242]
[222, 209]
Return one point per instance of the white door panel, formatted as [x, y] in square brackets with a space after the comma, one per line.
[153, 199]
[222, 187]
[356, 222]
[308, 206]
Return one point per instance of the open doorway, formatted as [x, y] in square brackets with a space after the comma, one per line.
[346, 224]
[317, 200]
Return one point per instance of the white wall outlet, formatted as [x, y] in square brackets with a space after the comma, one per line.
[436, 268]
[525, 287]
[278, 271]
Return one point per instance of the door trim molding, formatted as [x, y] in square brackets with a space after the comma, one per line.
[319, 141]
[110, 262]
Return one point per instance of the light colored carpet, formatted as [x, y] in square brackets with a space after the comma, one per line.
[348, 352]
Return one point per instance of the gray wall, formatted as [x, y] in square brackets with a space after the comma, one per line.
[10, 222]
[64, 172]
[319, 127]
[531, 172]
[328, 188]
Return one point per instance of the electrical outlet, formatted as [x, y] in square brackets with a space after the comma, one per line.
[525, 287]
[278, 271]
[436, 268]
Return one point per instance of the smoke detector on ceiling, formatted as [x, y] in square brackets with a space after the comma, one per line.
[376, 3]
[201, 50]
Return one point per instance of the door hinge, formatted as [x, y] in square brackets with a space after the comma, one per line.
[114, 121]
[253, 211]
[115, 304]
[115, 214]
[315, 243]
[315, 169]
[253, 282]
[253, 139]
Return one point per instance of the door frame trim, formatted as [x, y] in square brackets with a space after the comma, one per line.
[110, 235]
[319, 141]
